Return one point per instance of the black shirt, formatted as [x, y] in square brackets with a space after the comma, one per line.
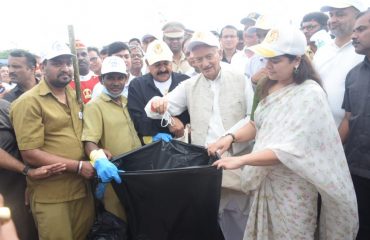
[12, 184]
[357, 102]
[15, 93]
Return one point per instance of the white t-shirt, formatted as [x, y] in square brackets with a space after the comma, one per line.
[333, 64]
[163, 87]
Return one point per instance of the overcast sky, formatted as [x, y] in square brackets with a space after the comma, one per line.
[30, 24]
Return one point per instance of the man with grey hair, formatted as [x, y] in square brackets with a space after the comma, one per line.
[208, 97]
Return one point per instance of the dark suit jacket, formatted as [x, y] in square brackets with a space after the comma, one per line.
[141, 90]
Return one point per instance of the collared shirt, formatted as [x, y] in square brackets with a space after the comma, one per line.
[109, 125]
[42, 122]
[8, 143]
[15, 93]
[332, 64]
[9, 86]
[182, 66]
[98, 88]
[357, 102]
[224, 59]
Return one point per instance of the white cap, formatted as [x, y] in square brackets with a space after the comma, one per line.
[264, 22]
[113, 64]
[358, 4]
[280, 41]
[56, 49]
[203, 38]
[158, 51]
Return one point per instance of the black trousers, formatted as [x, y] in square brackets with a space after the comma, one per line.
[362, 188]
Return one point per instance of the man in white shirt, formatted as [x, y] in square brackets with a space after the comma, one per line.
[217, 99]
[334, 60]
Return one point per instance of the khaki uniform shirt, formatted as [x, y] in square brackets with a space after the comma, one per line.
[42, 122]
[182, 66]
[109, 125]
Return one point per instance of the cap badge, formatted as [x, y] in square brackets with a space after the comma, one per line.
[272, 36]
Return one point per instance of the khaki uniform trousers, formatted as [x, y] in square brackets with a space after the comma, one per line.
[71, 220]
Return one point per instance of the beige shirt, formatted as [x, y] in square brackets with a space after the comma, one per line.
[109, 125]
[182, 66]
[42, 122]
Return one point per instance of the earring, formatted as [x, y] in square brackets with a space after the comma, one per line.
[295, 71]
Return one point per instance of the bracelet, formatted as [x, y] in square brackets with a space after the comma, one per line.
[232, 135]
[5, 214]
[25, 170]
[79, 167]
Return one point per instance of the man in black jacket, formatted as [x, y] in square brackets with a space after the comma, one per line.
[158, 82]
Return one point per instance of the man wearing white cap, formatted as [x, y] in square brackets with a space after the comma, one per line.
[217, 99]
[334, 60]
[107, 125]
[252, 65]
[158, 82]
[48, 126]
[249, 20]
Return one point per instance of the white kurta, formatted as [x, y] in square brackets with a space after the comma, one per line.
[296, 123]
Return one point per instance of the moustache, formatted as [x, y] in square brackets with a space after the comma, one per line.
[64, 74]
[165, 72]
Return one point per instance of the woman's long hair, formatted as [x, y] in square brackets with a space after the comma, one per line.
[305, 71]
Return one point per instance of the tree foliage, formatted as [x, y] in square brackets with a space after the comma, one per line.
[5, 53]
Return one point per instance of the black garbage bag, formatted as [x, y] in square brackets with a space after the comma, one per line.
[170, 192]
[107, 226]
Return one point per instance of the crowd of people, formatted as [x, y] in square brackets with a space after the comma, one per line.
[286, 109]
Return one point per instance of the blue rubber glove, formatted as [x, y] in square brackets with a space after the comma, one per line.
[100, 190]
[162, 136]
[106, 170]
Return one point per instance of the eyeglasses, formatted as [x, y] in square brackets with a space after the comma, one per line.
[93, 59]
[309, 27]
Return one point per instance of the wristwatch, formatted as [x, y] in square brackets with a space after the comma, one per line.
[232, 135]
[25, 170]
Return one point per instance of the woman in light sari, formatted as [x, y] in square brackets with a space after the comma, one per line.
[297, 152]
